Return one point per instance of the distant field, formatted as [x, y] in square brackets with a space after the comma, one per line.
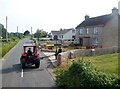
[107, 63]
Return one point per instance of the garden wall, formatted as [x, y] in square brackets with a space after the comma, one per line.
[86, 52]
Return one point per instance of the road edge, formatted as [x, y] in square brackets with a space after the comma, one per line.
[50, 70]
[3, 58]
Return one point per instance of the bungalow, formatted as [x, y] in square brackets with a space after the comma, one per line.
[100, 31]
[64, 34]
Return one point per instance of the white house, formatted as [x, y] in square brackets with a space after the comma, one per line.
[64, 34]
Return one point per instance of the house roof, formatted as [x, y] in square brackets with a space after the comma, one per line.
[61, 31]
[55, 32]
[100, 20]
[1, 24]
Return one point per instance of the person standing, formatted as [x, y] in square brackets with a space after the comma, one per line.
[59, 51]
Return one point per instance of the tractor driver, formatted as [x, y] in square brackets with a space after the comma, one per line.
[29, 52]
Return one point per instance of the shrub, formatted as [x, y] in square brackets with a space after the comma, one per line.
[84, 74]
[74, 44]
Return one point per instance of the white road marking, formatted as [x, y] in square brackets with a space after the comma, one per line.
[22, 73]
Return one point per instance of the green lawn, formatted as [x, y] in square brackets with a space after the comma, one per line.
[107, 63]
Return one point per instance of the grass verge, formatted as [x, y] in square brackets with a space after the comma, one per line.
[6, 46]
[107, 63]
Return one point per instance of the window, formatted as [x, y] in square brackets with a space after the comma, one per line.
[87, 31]
[73, 37]
[73, 31]
[95, 40]
[59, 36]
[26, 49]
[81, 31]
[95, 30]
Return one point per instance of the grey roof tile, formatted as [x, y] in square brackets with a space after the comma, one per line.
[100, 20]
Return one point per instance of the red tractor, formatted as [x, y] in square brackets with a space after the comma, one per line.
[30, 56]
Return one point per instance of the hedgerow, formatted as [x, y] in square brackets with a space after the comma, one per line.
[7, 47]
[82, 74]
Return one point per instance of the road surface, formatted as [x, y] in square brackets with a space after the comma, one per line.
[14, 76]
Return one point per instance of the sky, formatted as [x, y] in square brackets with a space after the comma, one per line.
[50, 14]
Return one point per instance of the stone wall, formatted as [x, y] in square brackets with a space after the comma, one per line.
[86, 52]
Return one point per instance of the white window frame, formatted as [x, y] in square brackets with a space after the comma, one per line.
[73, 31]
[81, 31]
[95, 31]
[59, 36]
[96, 41]
[87, 31]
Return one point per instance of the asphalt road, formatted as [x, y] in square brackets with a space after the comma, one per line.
[14, 76]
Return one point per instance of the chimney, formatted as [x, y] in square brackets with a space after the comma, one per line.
[114, 11]
[60, 29]
[87, 17]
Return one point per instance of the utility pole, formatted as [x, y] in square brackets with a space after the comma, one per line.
[31, 33]
[17, 31]
[31, 30]
[6, 30]
[22, 31]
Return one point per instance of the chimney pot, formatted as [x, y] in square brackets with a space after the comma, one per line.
[87, 17]
[61, 29]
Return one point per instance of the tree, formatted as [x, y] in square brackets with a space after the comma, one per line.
[26, 33]
[44, 34]
[40, 33]
[49, 35]
[37, 34]
[2, 31]
[11, 34]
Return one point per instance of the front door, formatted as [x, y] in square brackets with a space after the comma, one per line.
[81, 41]
[86, 41]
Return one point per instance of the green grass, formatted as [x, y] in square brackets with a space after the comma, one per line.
[0, 50]
[107, 63]
[80, 71]
[6, 46]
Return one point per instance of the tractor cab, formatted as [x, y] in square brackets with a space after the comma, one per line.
[33, 48]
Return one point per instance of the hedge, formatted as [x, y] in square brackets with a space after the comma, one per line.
[82, 74]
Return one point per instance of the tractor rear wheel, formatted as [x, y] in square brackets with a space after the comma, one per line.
[23, 64]
[37, 64]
